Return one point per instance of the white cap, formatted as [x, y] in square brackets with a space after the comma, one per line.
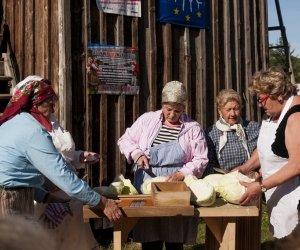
[174, 91]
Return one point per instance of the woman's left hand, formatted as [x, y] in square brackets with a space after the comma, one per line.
[178, 176]
[90, 157]
[253, 191]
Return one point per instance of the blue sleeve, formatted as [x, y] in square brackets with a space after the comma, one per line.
[43, 155]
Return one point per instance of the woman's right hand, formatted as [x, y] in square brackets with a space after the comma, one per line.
[142, 162]
[110, 208]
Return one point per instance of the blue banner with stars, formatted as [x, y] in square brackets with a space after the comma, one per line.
[188, 13]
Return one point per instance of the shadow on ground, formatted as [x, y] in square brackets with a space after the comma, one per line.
[267, 245]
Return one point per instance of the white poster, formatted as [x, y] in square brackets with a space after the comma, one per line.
[112, 69]
[120, 7]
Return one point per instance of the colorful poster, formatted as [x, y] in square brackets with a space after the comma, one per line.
[120, 7]
[112, 70]
[188, 13]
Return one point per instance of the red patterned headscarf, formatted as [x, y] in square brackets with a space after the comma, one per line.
[25, 97]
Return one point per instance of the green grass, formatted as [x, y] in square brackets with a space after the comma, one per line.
[267, 240]
[266, 237]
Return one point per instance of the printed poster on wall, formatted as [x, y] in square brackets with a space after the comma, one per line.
[120, 7]
[112, 70]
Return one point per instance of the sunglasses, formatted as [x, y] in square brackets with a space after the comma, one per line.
[262, 100]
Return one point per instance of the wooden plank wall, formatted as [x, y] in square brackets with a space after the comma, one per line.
[224, 56]
[33, 30]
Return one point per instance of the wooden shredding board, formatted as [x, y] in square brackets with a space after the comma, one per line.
[141, 206]
[135, 200]
[171, 194]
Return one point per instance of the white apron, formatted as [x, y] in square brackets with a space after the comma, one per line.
[282, 201]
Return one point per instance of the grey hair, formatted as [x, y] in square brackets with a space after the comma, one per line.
[227, 95]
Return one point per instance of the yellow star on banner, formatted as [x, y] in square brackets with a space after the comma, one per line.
[187, 18]
[176, 11]
[199, 14]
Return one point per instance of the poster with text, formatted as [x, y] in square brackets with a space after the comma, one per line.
[112, 70]
[120, 7]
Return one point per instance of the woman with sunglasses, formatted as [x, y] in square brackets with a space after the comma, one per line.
[278, 153]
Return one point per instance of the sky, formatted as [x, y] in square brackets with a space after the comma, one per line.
[290, 11]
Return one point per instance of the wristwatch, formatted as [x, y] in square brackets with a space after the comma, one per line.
[262, 187]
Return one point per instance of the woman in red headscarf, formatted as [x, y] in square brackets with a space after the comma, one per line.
[27, 99]
[71, 232]
[27, 155]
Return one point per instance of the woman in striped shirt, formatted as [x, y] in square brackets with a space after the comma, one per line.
[172, 145]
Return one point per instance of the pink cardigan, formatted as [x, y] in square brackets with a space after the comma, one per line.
[138, 139]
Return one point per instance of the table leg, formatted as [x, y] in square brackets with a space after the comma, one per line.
[228, 241]
[117, 238]
[121, 231]
[224, 231]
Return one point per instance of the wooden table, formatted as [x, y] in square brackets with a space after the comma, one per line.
[221, 219]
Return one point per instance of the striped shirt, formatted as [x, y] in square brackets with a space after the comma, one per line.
[166, 134]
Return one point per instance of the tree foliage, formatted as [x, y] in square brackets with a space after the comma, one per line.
[277, 58]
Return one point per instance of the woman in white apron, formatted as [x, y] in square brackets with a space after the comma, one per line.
[279, 155]
[172, 145]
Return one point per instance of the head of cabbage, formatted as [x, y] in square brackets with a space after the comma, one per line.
[230, 188]
[119, 186]
[203, 194]
[214, 180]
[146, 186]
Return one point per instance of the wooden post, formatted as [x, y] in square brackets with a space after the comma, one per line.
[88, 99]
[227, 45]
[167, 44]
[151, 56]
[65, 65]
[135, 44]
[215, 50]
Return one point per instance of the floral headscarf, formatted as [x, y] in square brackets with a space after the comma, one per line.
[25, 97]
